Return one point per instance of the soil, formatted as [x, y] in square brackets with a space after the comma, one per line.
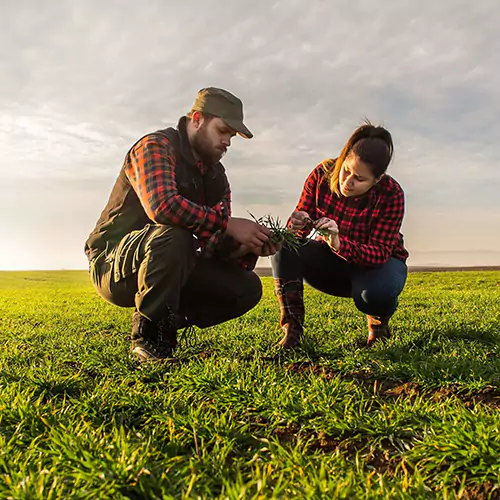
[388, 388]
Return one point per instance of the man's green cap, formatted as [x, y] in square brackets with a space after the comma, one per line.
[221, 103]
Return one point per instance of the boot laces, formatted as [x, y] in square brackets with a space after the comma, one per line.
[188, 336]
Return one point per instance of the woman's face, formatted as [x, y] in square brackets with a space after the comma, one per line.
[355, 177]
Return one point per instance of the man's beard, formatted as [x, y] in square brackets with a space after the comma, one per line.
[204, 149]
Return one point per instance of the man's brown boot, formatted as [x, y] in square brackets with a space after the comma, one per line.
[378, 328]
[290, 296]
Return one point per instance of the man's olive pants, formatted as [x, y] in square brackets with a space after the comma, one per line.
[158, 266]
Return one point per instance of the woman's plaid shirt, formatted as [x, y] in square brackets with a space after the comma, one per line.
[369, 225]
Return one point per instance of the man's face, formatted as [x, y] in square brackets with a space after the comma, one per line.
[212, 139]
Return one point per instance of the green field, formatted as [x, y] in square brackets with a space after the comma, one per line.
[416, 417]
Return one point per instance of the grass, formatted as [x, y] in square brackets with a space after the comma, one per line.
[416, 417]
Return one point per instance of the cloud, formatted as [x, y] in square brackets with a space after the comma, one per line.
[81, 81]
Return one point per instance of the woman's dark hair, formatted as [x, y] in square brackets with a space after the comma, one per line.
[371, 144]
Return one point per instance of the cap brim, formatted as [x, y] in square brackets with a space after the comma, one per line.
[239, 126]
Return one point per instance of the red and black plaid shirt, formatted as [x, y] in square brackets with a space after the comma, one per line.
[369, 225]
[151, 173]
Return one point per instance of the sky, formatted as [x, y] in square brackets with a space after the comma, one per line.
[82, 80]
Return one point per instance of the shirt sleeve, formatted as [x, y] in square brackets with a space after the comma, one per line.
[307, 200]
[222, 245]
[386, 223]
[151, 172]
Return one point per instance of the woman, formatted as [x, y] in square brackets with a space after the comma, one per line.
[358, 210]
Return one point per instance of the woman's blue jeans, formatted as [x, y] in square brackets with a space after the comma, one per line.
[375, 291]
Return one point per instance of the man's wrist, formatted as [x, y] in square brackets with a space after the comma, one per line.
[239, 252]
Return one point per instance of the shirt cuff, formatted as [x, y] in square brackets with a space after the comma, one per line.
[226, 245]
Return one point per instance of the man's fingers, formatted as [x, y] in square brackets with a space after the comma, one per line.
[263, 238]
[257, 241]
[265, 230]
[270, 249]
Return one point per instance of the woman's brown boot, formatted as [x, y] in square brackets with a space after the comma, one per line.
[290, 296]
[378, 328]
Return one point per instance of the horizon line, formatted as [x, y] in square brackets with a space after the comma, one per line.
[266, 269]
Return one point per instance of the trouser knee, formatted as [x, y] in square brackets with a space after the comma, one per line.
[376, 301]
[170, 244]
[249, 295]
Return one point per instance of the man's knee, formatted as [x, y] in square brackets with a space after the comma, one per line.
[171, 243]
[250, 293]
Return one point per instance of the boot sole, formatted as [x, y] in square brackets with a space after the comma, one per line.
[145, 356]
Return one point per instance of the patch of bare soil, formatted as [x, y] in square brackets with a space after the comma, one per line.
[309, 367]
[77, 367]
[485, 491]
[382, 460]
[207, 353]
[489, 396]
[286, 434]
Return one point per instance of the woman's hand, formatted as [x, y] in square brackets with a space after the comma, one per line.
[299, 220]
[332, 230]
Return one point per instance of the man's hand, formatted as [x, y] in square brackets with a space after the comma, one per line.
[299, 220]
[330, 226]
[248, 233]
[267, 249]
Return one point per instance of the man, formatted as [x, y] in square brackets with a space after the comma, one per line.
[166, 242]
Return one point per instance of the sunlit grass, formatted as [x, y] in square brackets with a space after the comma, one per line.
[416, 417]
